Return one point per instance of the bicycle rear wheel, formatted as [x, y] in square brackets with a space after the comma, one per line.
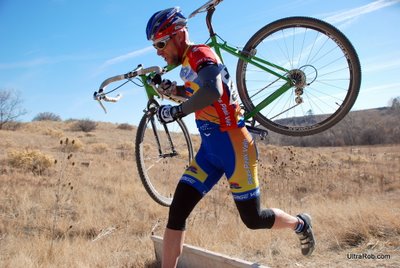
[163, 152]
[322, 65]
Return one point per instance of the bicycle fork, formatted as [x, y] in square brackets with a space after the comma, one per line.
[156, 136]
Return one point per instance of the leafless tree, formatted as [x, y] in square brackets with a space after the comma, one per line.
[394, 104]
[10, 107]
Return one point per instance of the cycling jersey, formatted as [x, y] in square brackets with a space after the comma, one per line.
[227, 147]
[224, 113]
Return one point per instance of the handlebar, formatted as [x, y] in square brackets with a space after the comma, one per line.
[139, 71]
[100, 95]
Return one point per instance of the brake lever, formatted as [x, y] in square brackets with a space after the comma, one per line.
[99, 96]
[102, 106]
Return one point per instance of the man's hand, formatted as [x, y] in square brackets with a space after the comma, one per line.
[168, 113]
[167, 87]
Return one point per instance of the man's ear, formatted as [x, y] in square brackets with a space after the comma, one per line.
[182, 35]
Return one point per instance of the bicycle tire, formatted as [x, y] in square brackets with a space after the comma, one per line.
[323, 64]
[163, 152]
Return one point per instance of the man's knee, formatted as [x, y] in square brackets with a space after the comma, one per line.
[185, 199]
[176, 223]
[263, 220]
[253, 217]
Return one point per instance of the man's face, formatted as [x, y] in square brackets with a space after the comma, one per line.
[169, 52]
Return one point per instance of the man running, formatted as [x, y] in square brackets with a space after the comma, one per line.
[227, 147]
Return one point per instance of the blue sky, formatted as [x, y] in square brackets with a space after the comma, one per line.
[57, 52]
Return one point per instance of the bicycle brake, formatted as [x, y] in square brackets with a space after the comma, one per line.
[262, 133]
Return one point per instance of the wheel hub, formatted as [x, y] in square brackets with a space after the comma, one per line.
[298, 78]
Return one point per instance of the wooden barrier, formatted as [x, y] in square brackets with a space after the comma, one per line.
[195, 257]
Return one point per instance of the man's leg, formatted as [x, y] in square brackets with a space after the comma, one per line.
[284, 220]
[255, 218]
[301, 224]
[172, 247]
[185, 199]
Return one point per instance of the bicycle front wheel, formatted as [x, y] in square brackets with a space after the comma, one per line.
[319, 62]
[163, 152]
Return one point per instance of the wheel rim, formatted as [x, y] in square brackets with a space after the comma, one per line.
[326, 64]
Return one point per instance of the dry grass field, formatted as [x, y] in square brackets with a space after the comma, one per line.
[74, 199]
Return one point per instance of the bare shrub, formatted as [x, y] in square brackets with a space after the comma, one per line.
[13, 126]
[126, 149]
[30, 160]
[85, 125]
[352, 238]
[371, 135]
[100, 148]
[46, 116]
[125, 126]
[127, 146]
[55, 133]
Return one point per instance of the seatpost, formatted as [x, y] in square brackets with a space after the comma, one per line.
[213, 36]
[210, 13]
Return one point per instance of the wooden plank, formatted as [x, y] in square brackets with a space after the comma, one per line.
[195, 257]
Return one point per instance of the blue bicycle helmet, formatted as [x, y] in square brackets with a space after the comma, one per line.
[165, 23]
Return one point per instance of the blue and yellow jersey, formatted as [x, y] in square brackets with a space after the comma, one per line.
[224, 113]
[227, 147]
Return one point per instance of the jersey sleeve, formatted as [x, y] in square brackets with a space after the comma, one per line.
[201, 56]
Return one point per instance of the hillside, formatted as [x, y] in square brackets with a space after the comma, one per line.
[78, 202]
[364, 127]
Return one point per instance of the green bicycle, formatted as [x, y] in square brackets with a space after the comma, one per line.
[308, 84]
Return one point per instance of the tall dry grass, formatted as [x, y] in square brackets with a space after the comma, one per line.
[90, 210]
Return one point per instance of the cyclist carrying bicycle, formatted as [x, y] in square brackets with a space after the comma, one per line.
[227, 147]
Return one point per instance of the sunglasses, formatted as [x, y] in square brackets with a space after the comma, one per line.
[160, 45]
